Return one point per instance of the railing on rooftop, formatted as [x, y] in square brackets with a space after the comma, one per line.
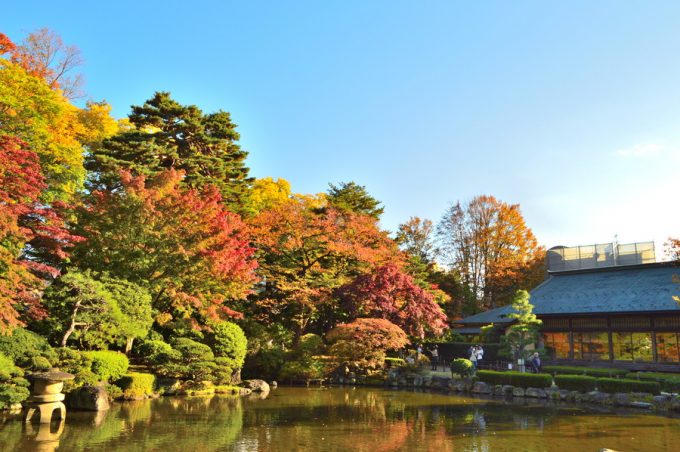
[561, 258]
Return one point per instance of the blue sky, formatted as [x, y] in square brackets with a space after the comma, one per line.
[571, 110]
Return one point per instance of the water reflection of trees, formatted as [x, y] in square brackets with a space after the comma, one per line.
[371, 420]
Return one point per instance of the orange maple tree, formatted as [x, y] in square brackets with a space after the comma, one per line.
[492, 248]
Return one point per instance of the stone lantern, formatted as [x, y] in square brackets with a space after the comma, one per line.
[46, 395]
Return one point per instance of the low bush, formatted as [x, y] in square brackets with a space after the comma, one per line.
[462, 367]
[156, 352]
[394, 362]
[581, 370]
[136, 385]
[227, 389]
[13, 387]
[27, 348]
[520, 379]
[311, 344]
[612, 385]
[108, 365]
[668, 382]
[77, 363]
[583, 383]
[301, 370]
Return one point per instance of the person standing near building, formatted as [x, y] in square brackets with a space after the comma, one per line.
[480, 354]
[434, 353]
[536, 362]
[473, 357]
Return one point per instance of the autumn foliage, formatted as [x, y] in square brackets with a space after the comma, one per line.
[306, 252]
[24, 220]
[364, 342]
[183, 244]
[391, 294]
[491, 247]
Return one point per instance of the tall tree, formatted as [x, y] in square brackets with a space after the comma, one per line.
[391, 294]
[352, 197]
[488, 243]
[44, 54]
[168, 135]
[181, 244]
[305, 253]
[53, 128]
[416, 238]
[24, 220]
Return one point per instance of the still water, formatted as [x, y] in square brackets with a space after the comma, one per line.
[345, 419]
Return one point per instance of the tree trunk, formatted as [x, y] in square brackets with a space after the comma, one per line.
[128, 344]
[72, 325]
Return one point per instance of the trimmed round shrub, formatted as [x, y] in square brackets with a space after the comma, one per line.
[108, 365]
[612, 385]
[156, 352]
[462, 367]
[77, 363]
[581, 383]
[229, 341]
[136, 385]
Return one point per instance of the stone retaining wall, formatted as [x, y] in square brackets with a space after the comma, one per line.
[663, 402]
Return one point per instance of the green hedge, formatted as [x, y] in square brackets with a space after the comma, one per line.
[108, 365]
[668, 382]
[582, 383]
[523, 380]
[136, 385]
[622, 385]
[580, 370]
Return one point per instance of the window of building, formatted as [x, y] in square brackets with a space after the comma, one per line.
[632, 346]
[667, 350]
[557, 344]
[591, 346]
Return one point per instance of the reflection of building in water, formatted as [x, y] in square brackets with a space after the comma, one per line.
[611, 305]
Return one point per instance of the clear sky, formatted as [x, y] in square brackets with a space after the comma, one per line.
[571, 110]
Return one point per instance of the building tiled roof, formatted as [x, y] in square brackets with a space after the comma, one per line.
[629, 289]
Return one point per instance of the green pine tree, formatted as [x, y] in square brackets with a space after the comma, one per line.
[166, 134]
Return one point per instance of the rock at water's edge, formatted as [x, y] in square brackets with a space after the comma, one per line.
[256, 385]
[88, 398]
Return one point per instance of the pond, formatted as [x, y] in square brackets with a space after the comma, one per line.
[342, 419]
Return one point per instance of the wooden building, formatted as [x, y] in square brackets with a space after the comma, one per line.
[619, 316]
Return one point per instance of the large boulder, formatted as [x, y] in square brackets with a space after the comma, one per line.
[88, 398]
[481, 388]
[440, 382]
[518, 392]
[256, 385]
[536, 393]
[620, 399]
